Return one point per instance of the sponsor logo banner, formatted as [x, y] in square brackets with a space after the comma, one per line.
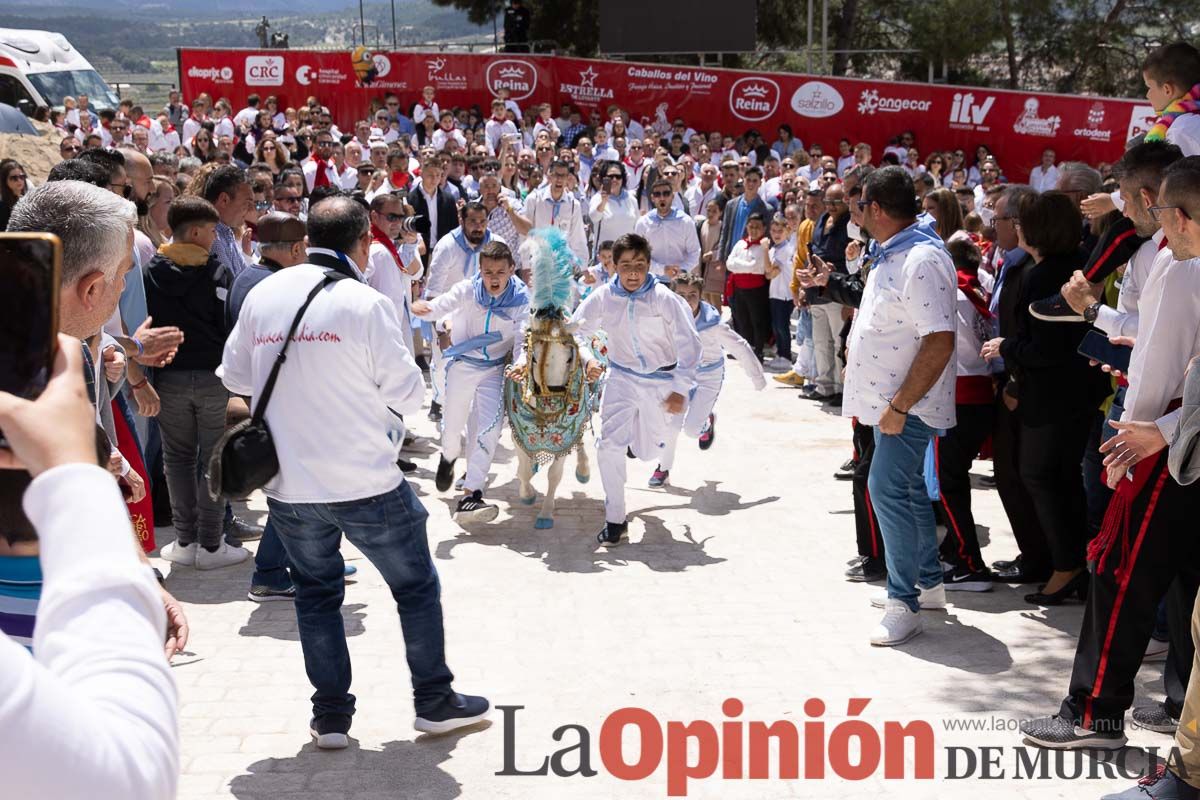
[817, 100]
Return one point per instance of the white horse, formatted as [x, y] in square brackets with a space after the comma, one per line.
[552, 358]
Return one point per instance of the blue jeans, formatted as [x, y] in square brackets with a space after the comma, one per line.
[905, 514]
[270, 560]
[781, 326]
[389, 529]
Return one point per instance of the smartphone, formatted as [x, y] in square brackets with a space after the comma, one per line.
[1095, 345]
[30, 272]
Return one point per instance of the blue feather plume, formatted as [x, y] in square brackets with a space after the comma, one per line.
[553, 269]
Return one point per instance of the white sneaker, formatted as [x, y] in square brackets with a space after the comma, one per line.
[931, 599]
[897, 626]
[182, 554]
[223, 556]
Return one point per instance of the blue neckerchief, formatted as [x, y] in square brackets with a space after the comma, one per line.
[515, 296]
[909, 237]
[479, 342]
[708, 317]
[672, 215]
[926, 222]
[471, 264]
[644, 289]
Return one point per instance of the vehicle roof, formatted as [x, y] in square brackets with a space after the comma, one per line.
[38, 51]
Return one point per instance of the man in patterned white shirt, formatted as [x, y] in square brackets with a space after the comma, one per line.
[900, 378]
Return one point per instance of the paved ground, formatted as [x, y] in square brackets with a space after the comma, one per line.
[732, 587]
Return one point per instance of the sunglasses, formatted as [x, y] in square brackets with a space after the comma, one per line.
[661, 194]
[395, 217]
[616, 177]
[295, 200]
[16, 177]
[70, 148]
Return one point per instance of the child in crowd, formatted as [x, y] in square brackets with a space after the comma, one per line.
[486, 312]
[600, 272]
[782, 254]
[653, 350]
[716, 340]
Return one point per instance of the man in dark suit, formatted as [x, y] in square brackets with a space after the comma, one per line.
[437, 213]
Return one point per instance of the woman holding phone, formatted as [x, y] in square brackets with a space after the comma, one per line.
[613, 210]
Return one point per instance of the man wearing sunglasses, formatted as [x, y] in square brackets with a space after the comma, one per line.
[69, 147]
[674, 245]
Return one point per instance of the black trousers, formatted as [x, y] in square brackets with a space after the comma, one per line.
[1158, 554]
[752, 316]
[1018, 506]
[1094, 488]
[866, 526]
[953, 454]
[1049, 459]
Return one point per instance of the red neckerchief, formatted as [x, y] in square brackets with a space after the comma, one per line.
[968, 283]
[379, 236]
[749, 242]
[500, 120]
[144, 121]
[630, 163]
[321, 179]
[399, 180]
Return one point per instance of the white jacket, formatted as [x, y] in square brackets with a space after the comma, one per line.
[347, 376]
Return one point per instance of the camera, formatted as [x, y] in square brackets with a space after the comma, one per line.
[409, 225]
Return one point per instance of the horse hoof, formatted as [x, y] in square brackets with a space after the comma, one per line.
[528, 501]
[583, 477]
[542, 523]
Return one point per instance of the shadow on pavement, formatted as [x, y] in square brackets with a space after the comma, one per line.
[278, 621]
[401, 769]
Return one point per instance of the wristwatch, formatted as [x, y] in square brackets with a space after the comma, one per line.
[1091, 312]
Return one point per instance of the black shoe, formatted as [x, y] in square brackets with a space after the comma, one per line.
[1076, 587]
[613, 533]
[1054, 309]
[867, 570]
[1155, 718]
[846, 471]
[961, 579]
[406, 466]
[422, 362]
[445, 475]
[241, 530]
[330, 731]
[709, 432]
[808, 392]
[472, 508]
[1008, 565]
[455, 711]
[834, 399]
[1161, 784]
[1057, 733]
[629, 453]
[1018, 574]
[435, 412]
[409, 441]
[266, 594]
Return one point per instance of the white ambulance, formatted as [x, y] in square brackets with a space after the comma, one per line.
[40, 68]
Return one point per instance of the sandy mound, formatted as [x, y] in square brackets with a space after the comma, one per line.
[37, 154]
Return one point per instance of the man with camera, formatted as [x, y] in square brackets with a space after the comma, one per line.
[347, 360]
[392, 268]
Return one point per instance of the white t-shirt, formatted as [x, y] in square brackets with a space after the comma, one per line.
[782, 256]
[909, 294]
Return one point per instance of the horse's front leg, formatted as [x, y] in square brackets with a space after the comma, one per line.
[525, 493]
[545, 517]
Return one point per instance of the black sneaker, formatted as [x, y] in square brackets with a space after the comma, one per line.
[867, 570]
[846, 471]
[1161, 784]
[267, 594]
[629, 453]
[330, 731]
[962, 579]
[422, 362]
[1155, 718]
[613, 533]
[406, 466]
[1057, 733]
[1014, 564]
[455, 711]
[435, 412]
[472, 508]
[1054, 309]
[241, 530]
[445, 474]
[709, 432]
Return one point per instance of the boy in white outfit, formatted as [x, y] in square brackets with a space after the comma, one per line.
[485, 314]
[716, 339]
[653, 352]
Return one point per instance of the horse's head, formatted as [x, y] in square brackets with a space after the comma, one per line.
[552, 356]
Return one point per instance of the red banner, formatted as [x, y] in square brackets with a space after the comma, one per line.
[1016, 126]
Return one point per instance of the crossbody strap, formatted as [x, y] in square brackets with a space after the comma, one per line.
[261, 408]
